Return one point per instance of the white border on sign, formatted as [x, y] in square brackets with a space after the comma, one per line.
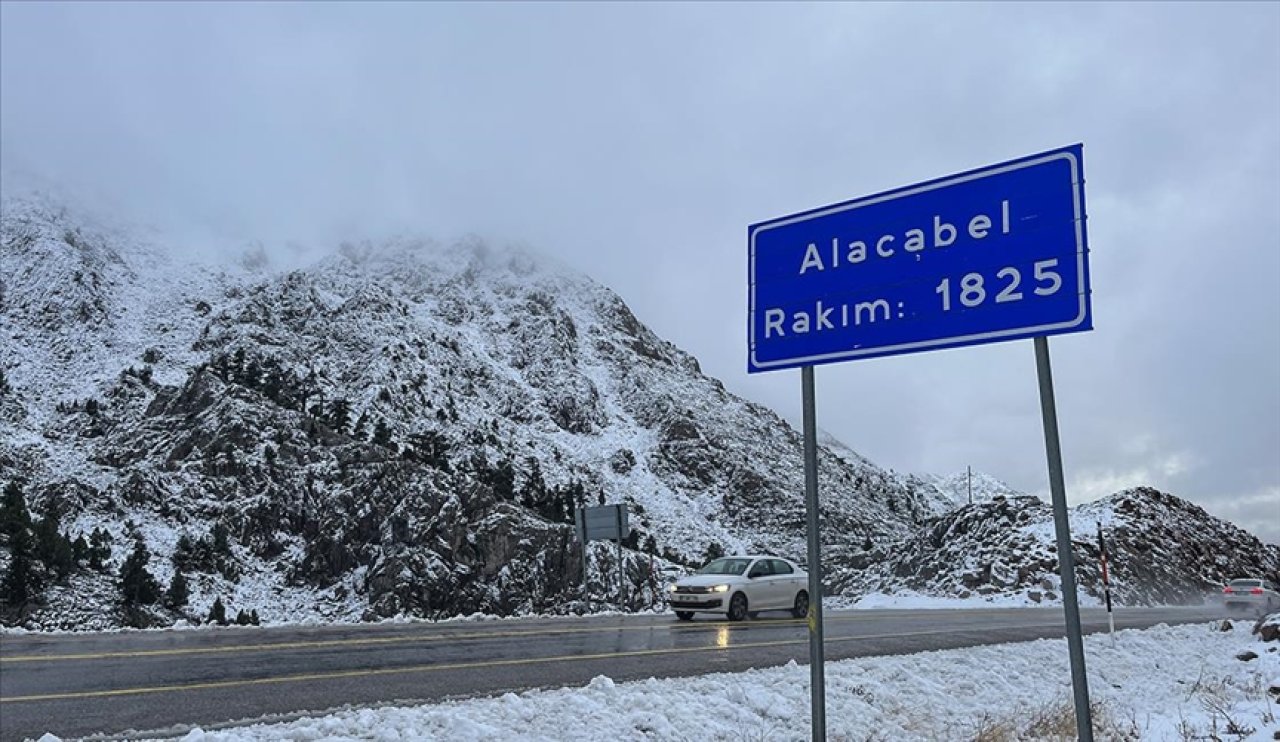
[887, 349]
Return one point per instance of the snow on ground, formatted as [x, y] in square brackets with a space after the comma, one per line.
[904, 599]
[910, 599]
[1165, 683]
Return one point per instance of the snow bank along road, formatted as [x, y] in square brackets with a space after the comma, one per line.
[75, 685]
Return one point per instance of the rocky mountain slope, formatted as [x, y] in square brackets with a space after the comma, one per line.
[1162, 550]
[404, 429]
[401, 428]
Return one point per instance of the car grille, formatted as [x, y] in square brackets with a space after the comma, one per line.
[694, 589]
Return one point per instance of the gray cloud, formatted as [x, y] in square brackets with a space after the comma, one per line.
[638, 141]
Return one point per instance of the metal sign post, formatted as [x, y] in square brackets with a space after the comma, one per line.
[580, 529]
[603, 523]
[817, 680]
[1066, 562]
[989, 255]
[622, 573]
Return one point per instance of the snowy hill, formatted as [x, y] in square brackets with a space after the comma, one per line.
[405, 428]
[400, 429]
[1163, 550]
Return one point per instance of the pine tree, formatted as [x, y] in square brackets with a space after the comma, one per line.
[867, 545]
[340, 415]
[242, 618]
[79, 549]
[5, 389]
[52, 547]
[178, 593]
[221, 540]
[21, 582]
[431, 447]
[381, 434]
[221, 549]
[13, 510]
[99, 549]
[184, 552]
[650, 545]
[714, 551]
[64, 558]
[534, 493]
[253, 617]
[218, 612]
[137, 585]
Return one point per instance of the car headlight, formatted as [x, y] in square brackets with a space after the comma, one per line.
[720, 589]
[671, 588]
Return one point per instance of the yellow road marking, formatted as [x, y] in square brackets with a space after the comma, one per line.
[473, 665]
[371, 641]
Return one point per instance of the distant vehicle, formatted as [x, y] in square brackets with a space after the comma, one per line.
[1251, 595]
[742, 586]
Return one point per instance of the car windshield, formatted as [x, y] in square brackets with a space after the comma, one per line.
[725, 567]
[1246, 583]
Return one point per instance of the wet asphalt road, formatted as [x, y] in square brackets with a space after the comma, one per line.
[112, 684]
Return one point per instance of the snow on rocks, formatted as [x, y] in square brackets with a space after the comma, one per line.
[1268, 628]
[396, 429]
[1163, 550]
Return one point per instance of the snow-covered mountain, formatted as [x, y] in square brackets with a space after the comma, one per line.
[401, 428]
[1162, 550]
[404, 429]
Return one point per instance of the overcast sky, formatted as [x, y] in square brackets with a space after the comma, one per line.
[637, 142]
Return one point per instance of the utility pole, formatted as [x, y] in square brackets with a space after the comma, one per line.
[970, 472]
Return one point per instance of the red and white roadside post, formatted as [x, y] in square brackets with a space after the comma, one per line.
[1106, 583]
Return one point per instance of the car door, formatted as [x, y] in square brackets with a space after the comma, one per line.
[786, 583]
[760, 588]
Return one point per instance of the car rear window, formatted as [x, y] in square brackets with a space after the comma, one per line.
[1246, 583]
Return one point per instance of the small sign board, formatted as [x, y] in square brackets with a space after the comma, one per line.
[602, 523]
[988, 255]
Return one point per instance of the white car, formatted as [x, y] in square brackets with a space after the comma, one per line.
[742, 586]
[1252, 595]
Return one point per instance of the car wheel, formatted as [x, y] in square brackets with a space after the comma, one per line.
[801, 607]
[738, 607]
[684, 615]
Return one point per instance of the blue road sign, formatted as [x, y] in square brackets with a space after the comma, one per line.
[988, 255]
